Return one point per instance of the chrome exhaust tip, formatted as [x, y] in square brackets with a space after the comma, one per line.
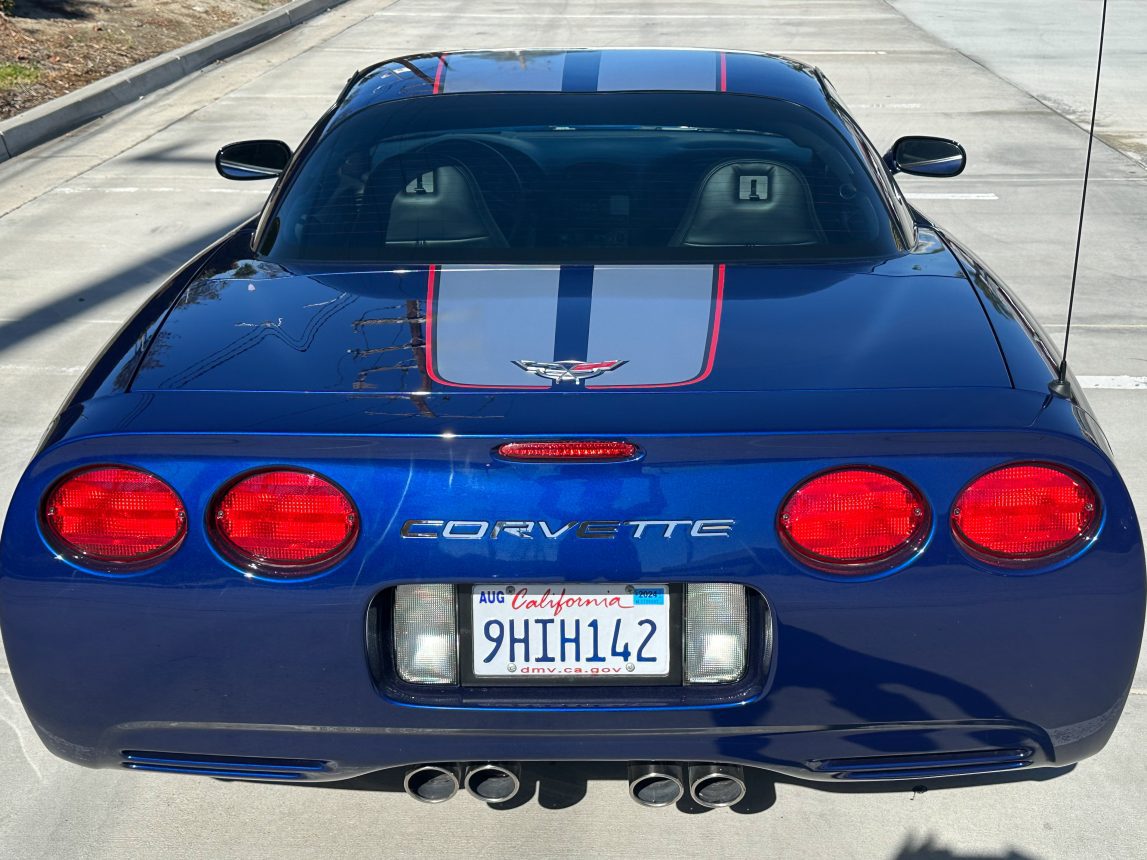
[656, 784]
[493, 783]
[432, 783]
[716, 786]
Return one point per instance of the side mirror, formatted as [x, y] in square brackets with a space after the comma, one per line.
[252, 159]
[926, 156]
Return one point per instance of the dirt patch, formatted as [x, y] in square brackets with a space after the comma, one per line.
[51, 47]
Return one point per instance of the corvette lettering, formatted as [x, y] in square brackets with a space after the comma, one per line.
[587, 529]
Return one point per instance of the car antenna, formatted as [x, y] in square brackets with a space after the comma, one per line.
[1059, 386]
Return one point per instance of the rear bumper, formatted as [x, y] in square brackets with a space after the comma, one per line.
[943, 657]
[916, 751]
[998, 684]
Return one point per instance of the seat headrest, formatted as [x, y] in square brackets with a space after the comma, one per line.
[435, 202]
[741, 203]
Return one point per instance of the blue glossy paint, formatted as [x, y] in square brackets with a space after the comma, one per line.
[911, 321]
[920, 363]
[920, 766]
[217, 773]
[235, 764]
[951, 638]
[625, 69]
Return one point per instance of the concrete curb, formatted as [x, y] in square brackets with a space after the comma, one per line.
[52, 119]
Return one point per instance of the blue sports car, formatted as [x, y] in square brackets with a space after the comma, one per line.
[594, 405]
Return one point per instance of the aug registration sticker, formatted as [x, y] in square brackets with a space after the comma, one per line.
[565, 630]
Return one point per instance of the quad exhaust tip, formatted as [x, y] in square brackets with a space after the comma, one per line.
[656, 784]
[651, 784]
[432, 783]
[716, 786]
[493, 783]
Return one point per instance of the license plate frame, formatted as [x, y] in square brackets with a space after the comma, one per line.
[468, 678]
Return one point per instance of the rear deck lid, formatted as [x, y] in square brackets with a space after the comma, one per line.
[909, 322]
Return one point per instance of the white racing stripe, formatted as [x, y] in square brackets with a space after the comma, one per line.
[1117, 383]
[481, 320]
[666, 342]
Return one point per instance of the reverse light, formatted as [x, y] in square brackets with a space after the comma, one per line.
[1025, 512]
[293, 521]
[115, 515]
[426, 634]
[852, 520]
[716, 632]
[568, 452]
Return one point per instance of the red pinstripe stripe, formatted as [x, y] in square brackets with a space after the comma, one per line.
[439, 74]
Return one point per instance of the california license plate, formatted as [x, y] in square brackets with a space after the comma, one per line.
[572, 632]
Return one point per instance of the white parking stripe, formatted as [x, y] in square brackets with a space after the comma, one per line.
[816, 53]
[1077, 179]
[1102, 326]
[326, 97]
[637, 16]
[134, 189]
[1123, 383]
[78, 322]
[41, 369]
[952, 195]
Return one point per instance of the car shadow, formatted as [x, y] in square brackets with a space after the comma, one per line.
[61, 309]
[561, 785]
[928, 848]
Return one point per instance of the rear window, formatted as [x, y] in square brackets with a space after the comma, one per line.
[630, 177]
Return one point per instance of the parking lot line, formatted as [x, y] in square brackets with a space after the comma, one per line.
[1114, 382]
[41, 369]
[161, 189]
[1102, 326]
[950, 195]
[648, 16]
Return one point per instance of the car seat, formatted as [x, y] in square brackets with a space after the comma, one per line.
[741, 203]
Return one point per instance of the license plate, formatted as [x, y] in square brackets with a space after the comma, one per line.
[571, 632]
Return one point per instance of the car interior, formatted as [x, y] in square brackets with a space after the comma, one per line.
[554, 190]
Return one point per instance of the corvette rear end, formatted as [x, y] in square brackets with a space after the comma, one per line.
[452, 509]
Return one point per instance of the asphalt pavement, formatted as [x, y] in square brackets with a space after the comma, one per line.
[91, 223]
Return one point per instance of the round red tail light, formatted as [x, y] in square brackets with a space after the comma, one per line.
[294, 521]
[114, 515]
[852, 520]
[1024, 512]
